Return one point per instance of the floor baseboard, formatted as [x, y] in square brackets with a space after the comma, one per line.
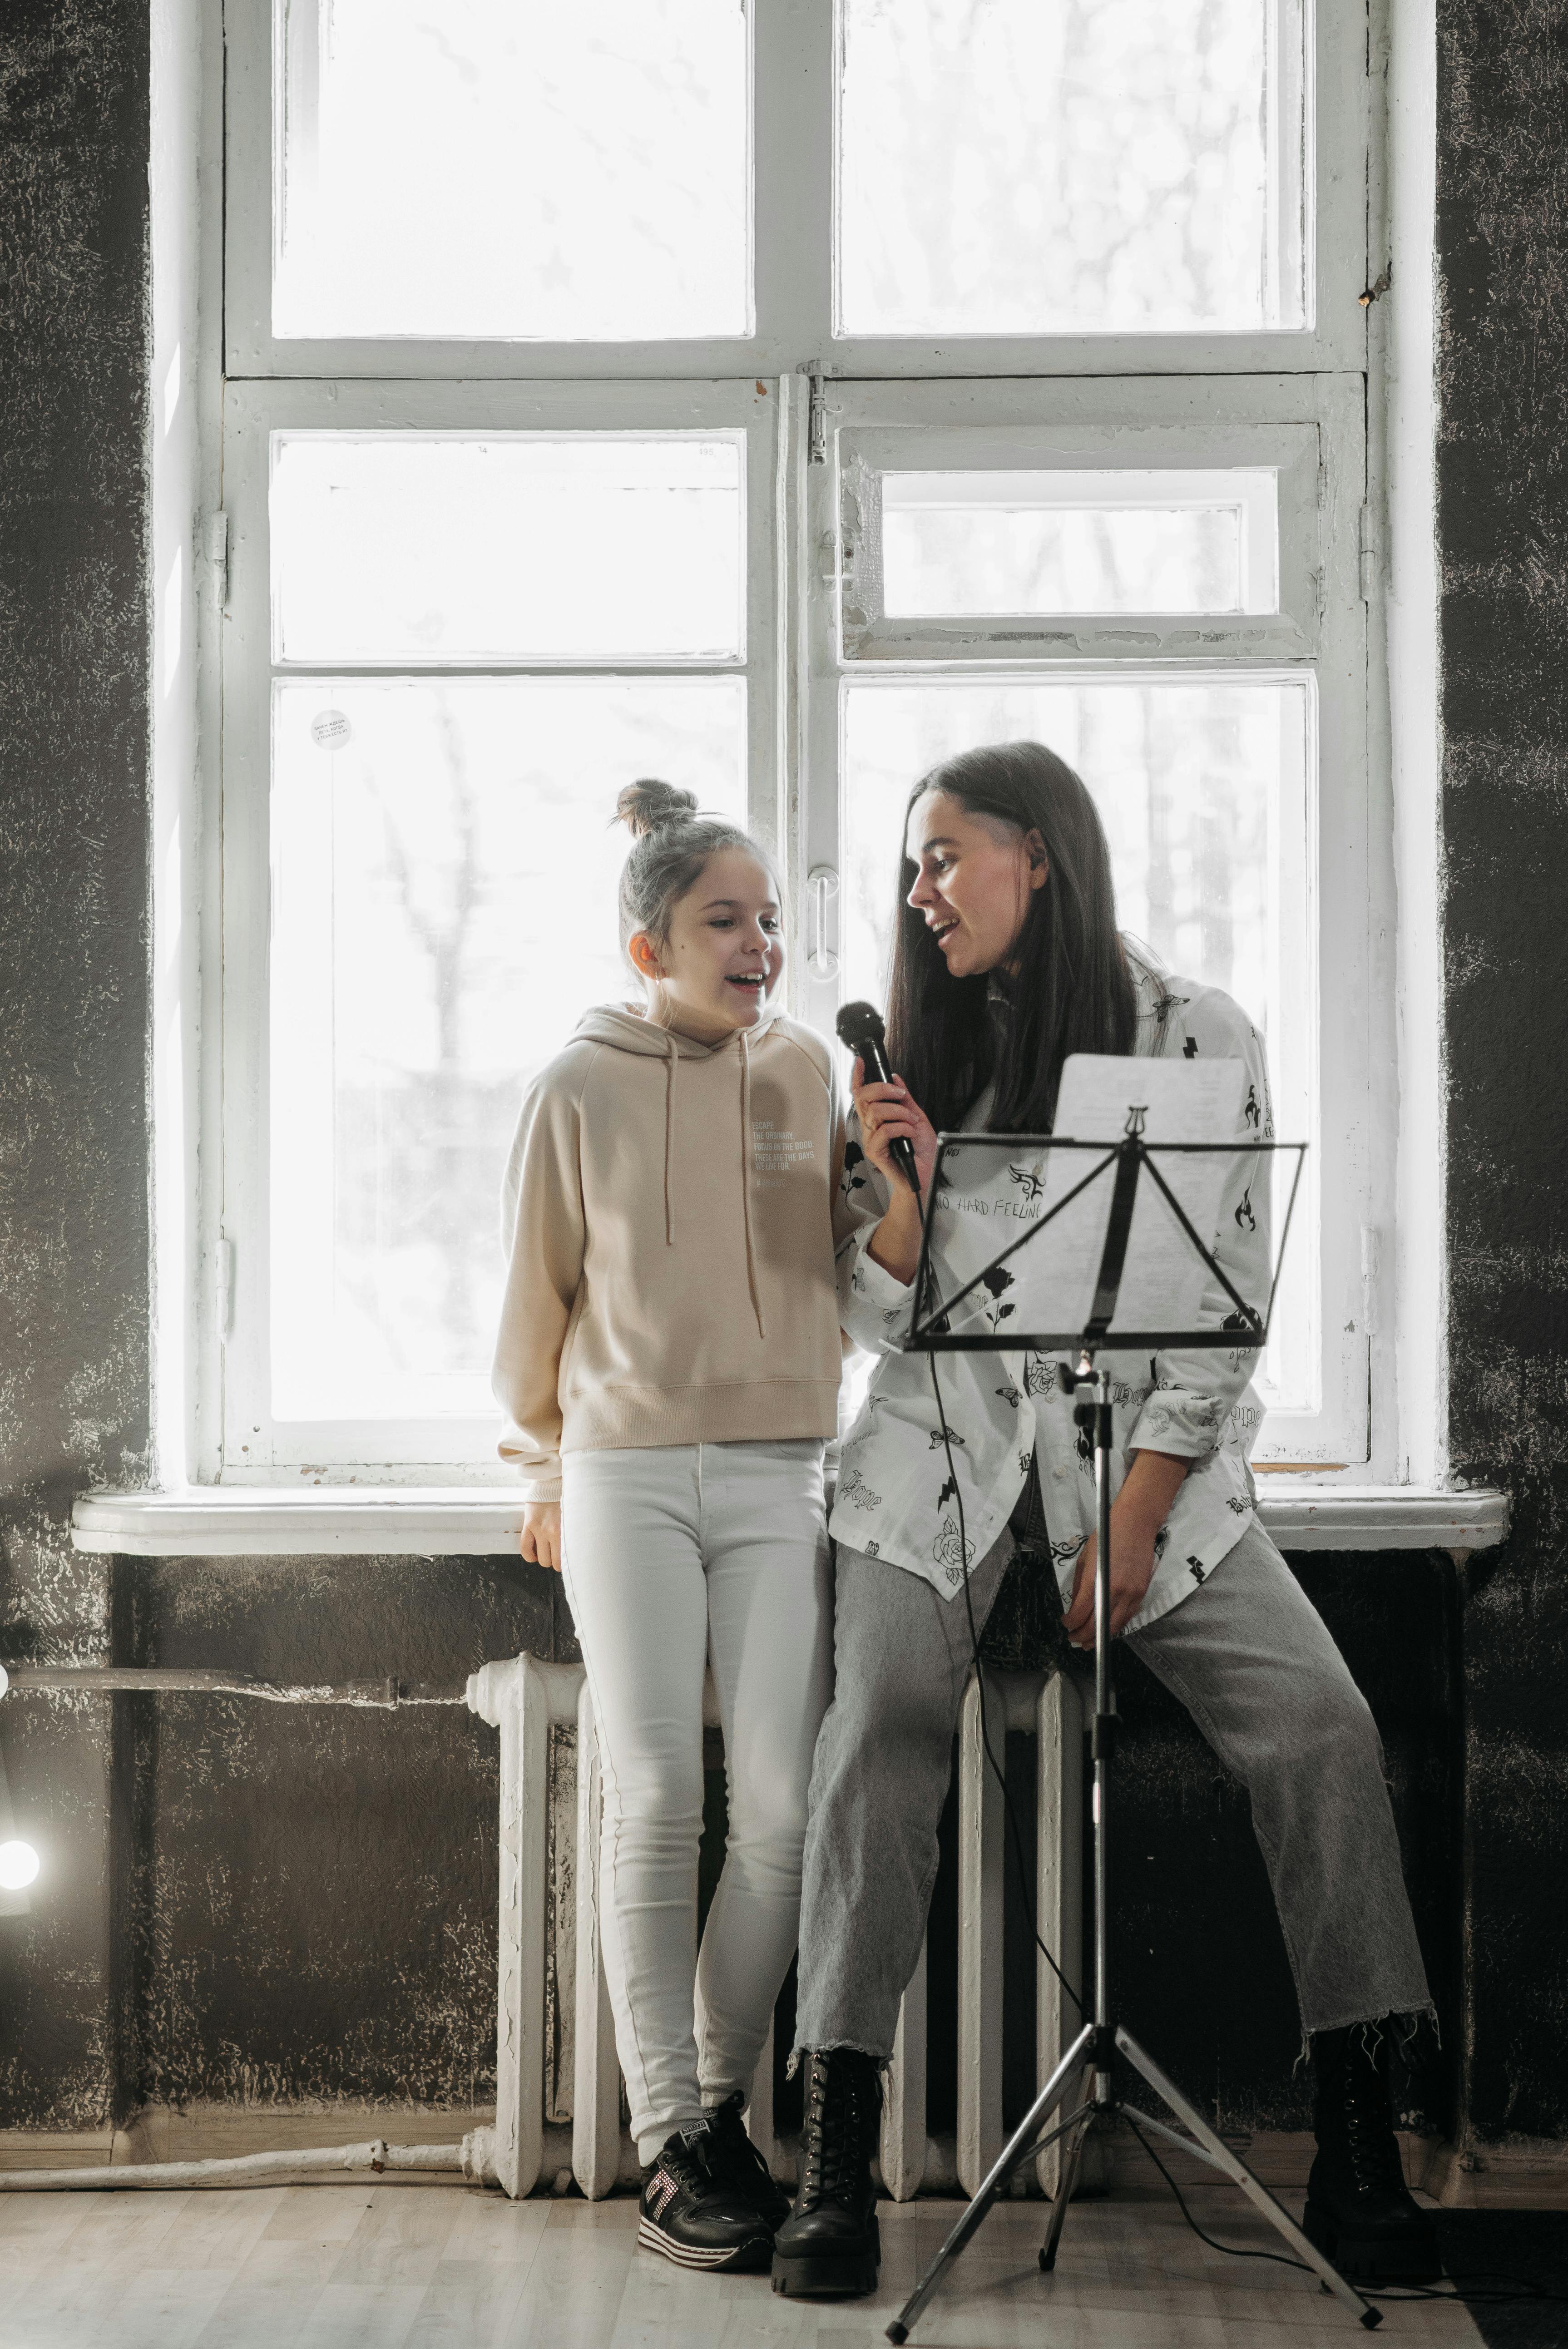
[222, 2132]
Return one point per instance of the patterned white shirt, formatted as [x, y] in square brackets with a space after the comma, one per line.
[894, 1497]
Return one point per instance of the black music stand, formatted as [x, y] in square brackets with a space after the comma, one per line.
[1089, 2057]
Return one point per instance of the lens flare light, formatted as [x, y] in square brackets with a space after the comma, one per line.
[18, 1866]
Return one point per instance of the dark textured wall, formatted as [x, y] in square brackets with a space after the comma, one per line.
[74, 639]
[313, 1889]
[1502, 478]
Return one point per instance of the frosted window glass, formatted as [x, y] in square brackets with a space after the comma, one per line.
[1079, 542]
[1203, 788]
[565, 170]
[404, 546]
[444, 908]
[1015, 167]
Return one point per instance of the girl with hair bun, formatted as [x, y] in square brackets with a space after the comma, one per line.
[668, 1364]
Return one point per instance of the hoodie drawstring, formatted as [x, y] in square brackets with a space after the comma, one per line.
[746, 1177]
[670, 1135]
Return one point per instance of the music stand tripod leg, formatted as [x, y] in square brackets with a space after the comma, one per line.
[1019, 2144]
[1233, 2166]
[1069, 2177]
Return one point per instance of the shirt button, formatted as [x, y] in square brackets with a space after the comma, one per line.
[1058, 1472]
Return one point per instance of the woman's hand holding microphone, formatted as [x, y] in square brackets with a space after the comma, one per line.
[889, 1113]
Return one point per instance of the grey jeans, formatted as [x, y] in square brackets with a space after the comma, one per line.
[1249, 1658]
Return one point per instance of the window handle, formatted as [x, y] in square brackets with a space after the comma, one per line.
[822, 881]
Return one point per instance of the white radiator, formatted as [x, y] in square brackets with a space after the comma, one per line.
[557, 2090]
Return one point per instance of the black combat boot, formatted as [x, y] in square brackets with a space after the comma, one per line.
[691, 2214]
[828, 2247]
[738, 2164]
[1359, 2212]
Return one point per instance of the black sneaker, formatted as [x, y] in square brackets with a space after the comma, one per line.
[828, 2247]
[691, 2214]
[738, 2164]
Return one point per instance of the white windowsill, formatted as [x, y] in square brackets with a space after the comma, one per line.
[459, 1521]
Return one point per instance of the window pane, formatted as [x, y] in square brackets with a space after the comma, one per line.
[1079, 542]
[444, 908]
[401, 546]
[1203, 788]
[513, 168]
[1082, 167]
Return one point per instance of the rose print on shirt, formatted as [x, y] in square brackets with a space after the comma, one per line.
[997, 1280]
[951, 1552]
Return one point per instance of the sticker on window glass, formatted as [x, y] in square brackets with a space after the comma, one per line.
[330, 729]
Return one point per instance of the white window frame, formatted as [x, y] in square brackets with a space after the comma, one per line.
[1313, 429]
[1193, 389]
[795, 44]
[254, 1446]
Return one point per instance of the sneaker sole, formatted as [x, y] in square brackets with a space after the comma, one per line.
[1371, 2258]
[722, 2259]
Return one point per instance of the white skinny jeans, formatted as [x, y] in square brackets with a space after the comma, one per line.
[673, 1558]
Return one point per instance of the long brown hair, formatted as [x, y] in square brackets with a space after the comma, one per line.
[1070, 990]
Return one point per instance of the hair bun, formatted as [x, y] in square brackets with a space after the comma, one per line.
[644, 805]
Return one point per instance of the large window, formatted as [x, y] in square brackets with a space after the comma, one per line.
[776, 397]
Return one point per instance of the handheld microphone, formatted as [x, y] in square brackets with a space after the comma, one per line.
[860, 1027]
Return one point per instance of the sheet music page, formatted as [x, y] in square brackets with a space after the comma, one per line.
[1052, 1285]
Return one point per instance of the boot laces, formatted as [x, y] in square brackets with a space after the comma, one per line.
[1371, 2150]
[841, 2121]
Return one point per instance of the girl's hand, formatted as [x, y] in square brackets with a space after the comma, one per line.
[889, 1113]
[540, 1539]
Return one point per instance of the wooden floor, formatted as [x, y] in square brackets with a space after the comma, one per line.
[404, 2267]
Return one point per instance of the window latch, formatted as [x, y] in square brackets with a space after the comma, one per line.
[822, 881]
[817, 421]
[223, 1289]
[218, 560]
[1369, 547]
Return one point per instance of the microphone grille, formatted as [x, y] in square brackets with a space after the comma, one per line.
[860, 1023]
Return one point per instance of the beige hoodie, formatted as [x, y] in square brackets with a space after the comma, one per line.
[668, 1219]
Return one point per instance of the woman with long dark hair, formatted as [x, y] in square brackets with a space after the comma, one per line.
[1006, 961]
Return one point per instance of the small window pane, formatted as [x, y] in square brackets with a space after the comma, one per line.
[513, 169]
[1085, 167]
[1203, 788]
[1079, 542]
[444, 882]
[402, 546]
